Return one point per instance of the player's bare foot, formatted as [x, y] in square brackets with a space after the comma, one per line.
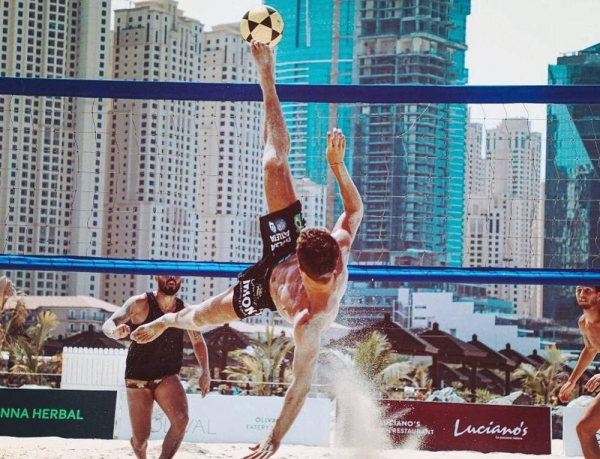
[149, 332]
[263, 57]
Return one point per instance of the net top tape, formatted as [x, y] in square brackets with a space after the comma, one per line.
[386, 94]
[356, 272]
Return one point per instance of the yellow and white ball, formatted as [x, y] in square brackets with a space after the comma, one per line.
[262, 23]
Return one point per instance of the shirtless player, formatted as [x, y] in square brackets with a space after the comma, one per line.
[303, 272]
[588, 299]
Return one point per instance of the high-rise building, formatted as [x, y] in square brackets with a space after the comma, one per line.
[52, 148]
[231, 193]
[503, 204]
[409, 158]
[196, 190]
[153, 172]
[306, 55]
[572, 204]
[402, 156]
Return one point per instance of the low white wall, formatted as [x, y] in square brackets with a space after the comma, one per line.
[237, 419]
[571, 416]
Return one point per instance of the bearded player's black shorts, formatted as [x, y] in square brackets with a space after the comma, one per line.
[279, 231]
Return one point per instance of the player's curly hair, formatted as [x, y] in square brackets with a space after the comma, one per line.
[318, 253]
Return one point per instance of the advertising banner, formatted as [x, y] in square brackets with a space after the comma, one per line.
[440, 426]
[57, 413]
[239, 419]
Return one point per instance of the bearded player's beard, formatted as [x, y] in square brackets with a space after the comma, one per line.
[584, 304]
[169, 290]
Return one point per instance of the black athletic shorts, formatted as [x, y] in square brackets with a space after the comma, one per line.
[279, 231]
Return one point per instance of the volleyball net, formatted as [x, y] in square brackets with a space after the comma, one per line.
[461, 184]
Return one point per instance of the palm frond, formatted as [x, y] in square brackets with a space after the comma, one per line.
[264, 361]
[393, 373]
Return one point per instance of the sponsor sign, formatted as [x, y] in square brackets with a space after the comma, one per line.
[57, 413]
[239, 419]
[440, 426]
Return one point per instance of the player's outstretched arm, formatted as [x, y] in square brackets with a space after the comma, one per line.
[306, 352]
[352, 216]
[183, 319]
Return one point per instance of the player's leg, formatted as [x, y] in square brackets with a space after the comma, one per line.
[140, 403]
[587, 427]
[279, 189]
[214, 311]
[171, 397]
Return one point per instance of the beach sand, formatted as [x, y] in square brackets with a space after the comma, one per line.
[61, 448]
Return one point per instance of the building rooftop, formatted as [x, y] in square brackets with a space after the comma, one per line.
[80, 301]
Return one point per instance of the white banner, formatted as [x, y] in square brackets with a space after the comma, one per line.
[238, 419]
[571, 416]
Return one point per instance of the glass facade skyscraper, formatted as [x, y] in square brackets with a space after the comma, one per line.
[409, 158]
[572, 208]
[304, 56]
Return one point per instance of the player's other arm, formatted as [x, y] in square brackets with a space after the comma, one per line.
[116, 326]
[201, 353]
[351, 218]
[583, 362]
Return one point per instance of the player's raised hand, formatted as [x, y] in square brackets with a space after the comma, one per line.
[336, 147]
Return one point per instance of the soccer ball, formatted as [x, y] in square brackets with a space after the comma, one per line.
[262, 23]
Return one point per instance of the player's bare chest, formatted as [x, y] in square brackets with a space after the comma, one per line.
[592, 333]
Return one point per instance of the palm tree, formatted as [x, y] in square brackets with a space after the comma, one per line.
[26, 349]
[263, 363]
[543, 383]
[24, 344]
[7, 290]
[480, 396]
[17, 319]
[376, 361]
[420, 377]
[12, 329]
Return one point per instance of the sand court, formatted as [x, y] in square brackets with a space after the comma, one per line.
[61, 448]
